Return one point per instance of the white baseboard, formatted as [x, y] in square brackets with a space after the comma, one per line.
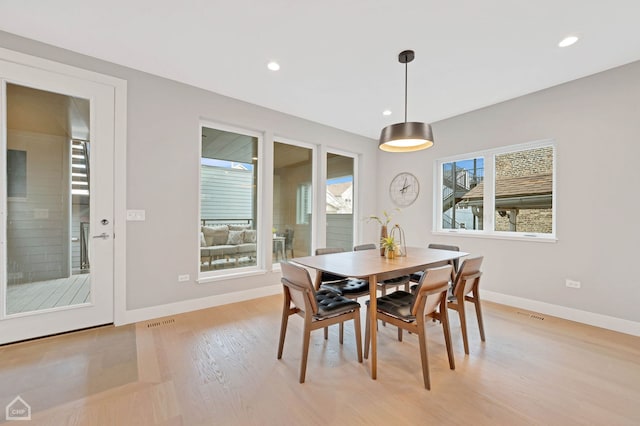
[598, 320]
[145, 314]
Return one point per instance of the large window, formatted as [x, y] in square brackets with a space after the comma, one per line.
[228, 200]
[514, 197]
[292, 200]
[340, 201]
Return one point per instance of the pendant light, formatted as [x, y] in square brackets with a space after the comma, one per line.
[407, 136]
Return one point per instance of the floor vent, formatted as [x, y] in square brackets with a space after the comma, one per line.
[532, 316]
[160, 323]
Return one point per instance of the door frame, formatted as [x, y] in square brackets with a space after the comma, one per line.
[119, 157]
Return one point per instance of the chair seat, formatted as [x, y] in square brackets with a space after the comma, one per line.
[397, 281]
[347, 287]
[397, 304]
[331, 304]
[415, 277]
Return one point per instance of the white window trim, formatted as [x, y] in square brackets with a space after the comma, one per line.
[259, 268]
[489, 156]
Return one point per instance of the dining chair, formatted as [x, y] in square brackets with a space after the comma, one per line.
[415, 277]
[351, 288]
[318, 308]
[408, 311]
[465, 288]
[403, 280]
[288, 242]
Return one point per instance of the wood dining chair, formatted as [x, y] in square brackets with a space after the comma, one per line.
[319, 309]
[465, 288]
[408, 312]
[351, 288]
[397, 282]
[415, 277]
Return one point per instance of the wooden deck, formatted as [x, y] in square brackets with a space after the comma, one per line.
[48, 294]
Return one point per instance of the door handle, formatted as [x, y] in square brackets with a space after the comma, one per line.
[104, 236]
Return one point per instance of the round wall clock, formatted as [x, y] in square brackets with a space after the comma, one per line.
[404, 189]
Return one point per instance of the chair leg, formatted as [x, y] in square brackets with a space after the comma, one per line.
[356, 325]
[341, 337]
[399, 334]
[444, 320]
[383, 291]
[283, 330]
[326, 333]
[476, 301]
[305, 351]
[422, 337]
[463, 324]
[367, 333]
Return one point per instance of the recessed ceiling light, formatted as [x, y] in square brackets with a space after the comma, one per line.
[273, 66]
[386, 112]
[568, 41]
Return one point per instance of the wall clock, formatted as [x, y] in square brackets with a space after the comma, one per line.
[404, 189]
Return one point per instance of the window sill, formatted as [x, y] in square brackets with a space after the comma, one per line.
[497, 236]
[228, 275]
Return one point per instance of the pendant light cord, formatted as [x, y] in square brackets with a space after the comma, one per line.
[406, 67]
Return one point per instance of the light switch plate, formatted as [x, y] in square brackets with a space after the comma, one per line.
[136, 215]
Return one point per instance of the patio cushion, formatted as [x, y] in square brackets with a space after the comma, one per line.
[235, 237]
[216, 235]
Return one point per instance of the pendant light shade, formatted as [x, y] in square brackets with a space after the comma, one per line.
[406, 136]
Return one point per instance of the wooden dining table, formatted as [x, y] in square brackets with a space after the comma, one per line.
[369, 264]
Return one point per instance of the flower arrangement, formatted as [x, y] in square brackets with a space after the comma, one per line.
[384, 219]
[389, 245]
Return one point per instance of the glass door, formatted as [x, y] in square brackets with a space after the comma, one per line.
[57, 203]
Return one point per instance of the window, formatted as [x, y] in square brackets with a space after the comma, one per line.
[339, 201]
[292, 216]
[459, 179]
[519, 190]
[228, 201]
[16, 173]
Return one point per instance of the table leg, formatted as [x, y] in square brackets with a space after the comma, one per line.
[373, 309]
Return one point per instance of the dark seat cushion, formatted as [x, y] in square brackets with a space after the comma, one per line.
[328, 276]
[331, 304]
[401, 280]
[397, 304]
[349, 286]
[415, 277]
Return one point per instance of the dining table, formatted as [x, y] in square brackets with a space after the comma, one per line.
[370, 265]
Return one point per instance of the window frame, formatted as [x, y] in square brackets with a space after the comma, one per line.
[259, 267]
[488, 223]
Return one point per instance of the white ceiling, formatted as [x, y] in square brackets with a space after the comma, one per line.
[339, 57]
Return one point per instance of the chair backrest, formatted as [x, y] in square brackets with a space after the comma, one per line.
[288, 237]
[297, 284]
[432, 288]
[468, 276]
[369, 246]
[327, 276]
[446, 247]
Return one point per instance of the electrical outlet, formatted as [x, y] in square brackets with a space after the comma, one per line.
[183, 278]
[572, 283]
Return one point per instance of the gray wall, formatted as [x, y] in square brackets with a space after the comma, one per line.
[162, 172]
[596, 123]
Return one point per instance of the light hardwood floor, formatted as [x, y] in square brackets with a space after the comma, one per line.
[218, 367]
